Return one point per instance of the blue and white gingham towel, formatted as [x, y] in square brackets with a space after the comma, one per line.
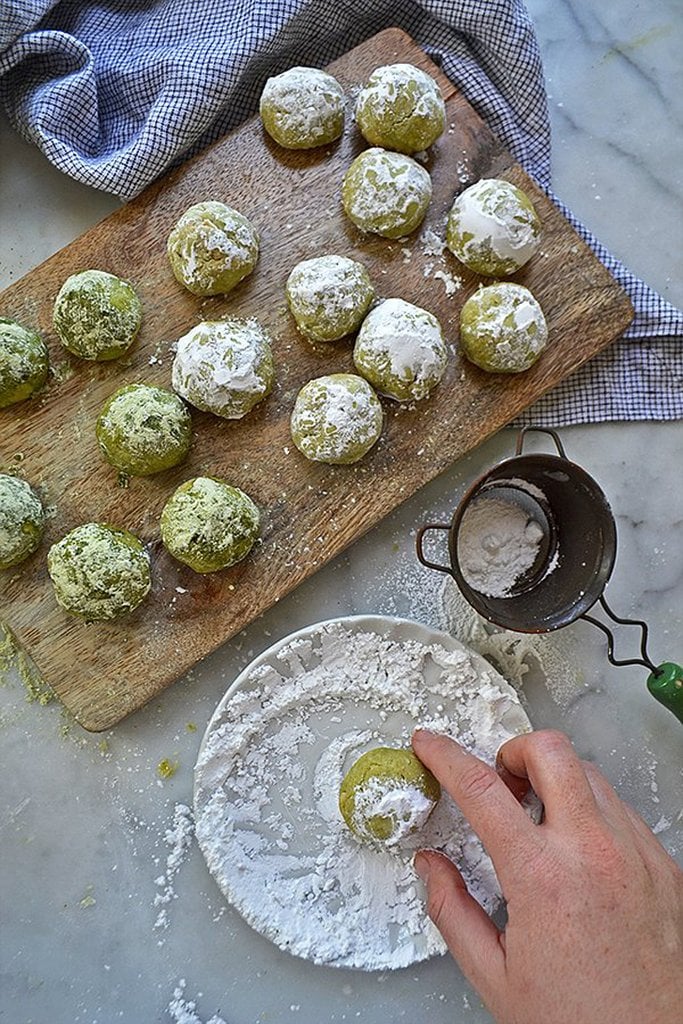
[115, 93]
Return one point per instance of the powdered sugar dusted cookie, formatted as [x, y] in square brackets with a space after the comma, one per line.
[336, 419]
[224, 366]
[502, 328]
[212, 248]
[493, 228]
[302, 108]
[386, 193]
[328, 296]
[401, 107]
[400, 350]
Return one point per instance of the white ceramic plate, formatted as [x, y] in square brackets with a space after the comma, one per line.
[268, 773]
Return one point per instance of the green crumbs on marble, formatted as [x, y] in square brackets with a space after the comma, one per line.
[191, 727]
[166, 769]
[13, 659]
[88, 899]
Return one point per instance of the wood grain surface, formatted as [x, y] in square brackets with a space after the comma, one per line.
[311, 512]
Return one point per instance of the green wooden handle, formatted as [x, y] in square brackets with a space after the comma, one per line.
[666, 686]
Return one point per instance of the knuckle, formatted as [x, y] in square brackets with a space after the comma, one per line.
[476, 781]
[552, 741]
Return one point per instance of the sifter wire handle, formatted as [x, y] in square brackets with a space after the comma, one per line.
[665, 681]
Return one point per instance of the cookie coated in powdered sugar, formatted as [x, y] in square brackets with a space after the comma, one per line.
[400, 349]
[328, 296]
[493, 227]
[336, 418]
[302, 108]
[224, 366]
[401, 107]
[386, 193]
[270, 767]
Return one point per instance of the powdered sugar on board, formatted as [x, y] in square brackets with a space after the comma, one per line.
[268, 775]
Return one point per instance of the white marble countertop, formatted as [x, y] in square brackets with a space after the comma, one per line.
[85, 818]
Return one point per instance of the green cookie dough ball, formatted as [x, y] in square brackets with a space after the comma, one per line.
[209, 525]
[386, 193]
[328, 296]
[224, 367]
[493, 228]
[387, 795]
[97, 315]
[401, 108]
[336, 419]
[212, 248]
[400, 350]
[22, 521]
[143, 429]
[99, 572]
[23, 362]
[303, 108]
[502, 328]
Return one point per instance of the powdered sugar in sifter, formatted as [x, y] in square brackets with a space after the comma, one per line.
[545, 560]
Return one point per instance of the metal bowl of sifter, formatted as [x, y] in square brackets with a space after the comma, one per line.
[531, 546]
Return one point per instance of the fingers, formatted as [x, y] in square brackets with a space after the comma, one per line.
[491, 809]
[471, 936]
[557, 774]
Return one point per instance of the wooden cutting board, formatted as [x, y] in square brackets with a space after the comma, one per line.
[311, 512]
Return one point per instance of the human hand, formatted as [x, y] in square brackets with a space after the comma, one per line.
[595, 904]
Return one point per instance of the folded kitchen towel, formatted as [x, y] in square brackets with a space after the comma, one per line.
[116, 92]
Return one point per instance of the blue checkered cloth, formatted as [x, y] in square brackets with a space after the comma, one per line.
[116, 93]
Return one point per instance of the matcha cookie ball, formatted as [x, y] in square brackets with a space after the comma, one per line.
[502, 328]
[212, 248]
[97, 315]
[224, 367]
[493, 228]
[400, 350]
[401, 108]
[387, 795]
[143, 429]
[23, 362]
[302, 108]
[209, 525]
[328, 296]
[386, 193]
[22, 521]
[99, 572]
[336, 419]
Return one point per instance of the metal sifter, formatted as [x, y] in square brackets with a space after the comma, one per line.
[571, 555]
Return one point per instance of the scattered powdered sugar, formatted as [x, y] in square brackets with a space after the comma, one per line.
[178, 839]
[182, 1011]
[516, 655]
[294, 724]
[432, 245]
[451, 284]
[498, 543]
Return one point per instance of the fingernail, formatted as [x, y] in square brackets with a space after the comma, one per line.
[421, 865]
[423, 734]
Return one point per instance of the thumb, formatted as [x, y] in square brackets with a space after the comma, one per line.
[470, 934]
